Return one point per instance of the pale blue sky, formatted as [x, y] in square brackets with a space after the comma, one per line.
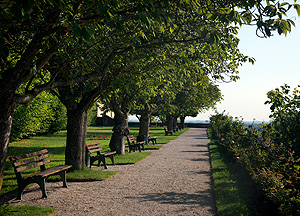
[277, 62]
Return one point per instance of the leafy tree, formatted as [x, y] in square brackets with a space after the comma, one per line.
[285, 108]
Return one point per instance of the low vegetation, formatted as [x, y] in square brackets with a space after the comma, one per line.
[25, 210]
[270, 160]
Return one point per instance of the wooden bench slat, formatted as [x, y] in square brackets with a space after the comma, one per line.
[94, 147]
[109, 153]
[52, 170]
[94, 143]
[20, 163]
[94, 150]
[13, 158]
[20, 169]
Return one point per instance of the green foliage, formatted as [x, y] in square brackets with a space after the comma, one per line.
[45, 114]
[92, 117]
[286, 116]
[272, 164]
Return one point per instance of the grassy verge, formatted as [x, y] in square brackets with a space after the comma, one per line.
[25, 210]
[55, 143]
[232, 186]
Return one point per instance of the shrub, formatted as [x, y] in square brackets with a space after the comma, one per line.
[45, 114]
[272, 164]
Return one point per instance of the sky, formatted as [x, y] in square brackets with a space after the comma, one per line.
[277, 63]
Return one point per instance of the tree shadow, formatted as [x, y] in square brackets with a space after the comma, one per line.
[200, 198]
[201, 145]
[195, 151]
[202, 172]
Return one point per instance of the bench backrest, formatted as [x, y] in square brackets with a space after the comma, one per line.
[30, 160]
[93, 147]
[130, 139]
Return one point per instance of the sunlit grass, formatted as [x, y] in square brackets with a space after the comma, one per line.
[230, 186]
[25, 210]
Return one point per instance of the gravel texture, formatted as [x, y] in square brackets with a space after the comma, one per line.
[175, 180]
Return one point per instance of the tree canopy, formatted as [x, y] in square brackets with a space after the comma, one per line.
[68, 42]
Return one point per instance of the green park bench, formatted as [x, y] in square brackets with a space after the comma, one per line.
[168, 132]
[100, 157]
[135, 145]
[32, 160]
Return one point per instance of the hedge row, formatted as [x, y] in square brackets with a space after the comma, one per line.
[274, 165]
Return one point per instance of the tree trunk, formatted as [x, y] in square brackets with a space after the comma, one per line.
[174, 122]
[170, 122]
[76, 138]
[145, 120]
[6, 109]
[120, 131]
[182, 118]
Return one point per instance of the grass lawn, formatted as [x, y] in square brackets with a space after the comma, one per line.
[25, 210]
[55, 143]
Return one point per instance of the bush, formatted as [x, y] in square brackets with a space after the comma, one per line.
[92, 117]
[272, 164]
[45, 114]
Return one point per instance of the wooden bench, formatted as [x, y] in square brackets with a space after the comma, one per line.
[32, 160]
[133, 145]
[152, 139]
[100, 157]
[168, 132]
[175, 129]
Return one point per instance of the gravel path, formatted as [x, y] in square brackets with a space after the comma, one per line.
[175, 180]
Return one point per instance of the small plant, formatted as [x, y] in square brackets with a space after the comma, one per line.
[96, 137]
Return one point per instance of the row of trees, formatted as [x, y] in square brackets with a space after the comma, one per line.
[82, 49]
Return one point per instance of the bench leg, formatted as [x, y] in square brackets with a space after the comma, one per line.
[112, 159]
[102, 158]
[41, 183]
[104, 162]
[64, 178]
[21, 187]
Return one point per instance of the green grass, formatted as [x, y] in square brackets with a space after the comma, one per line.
[86, 175]
[25, 210]
[232, 186]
